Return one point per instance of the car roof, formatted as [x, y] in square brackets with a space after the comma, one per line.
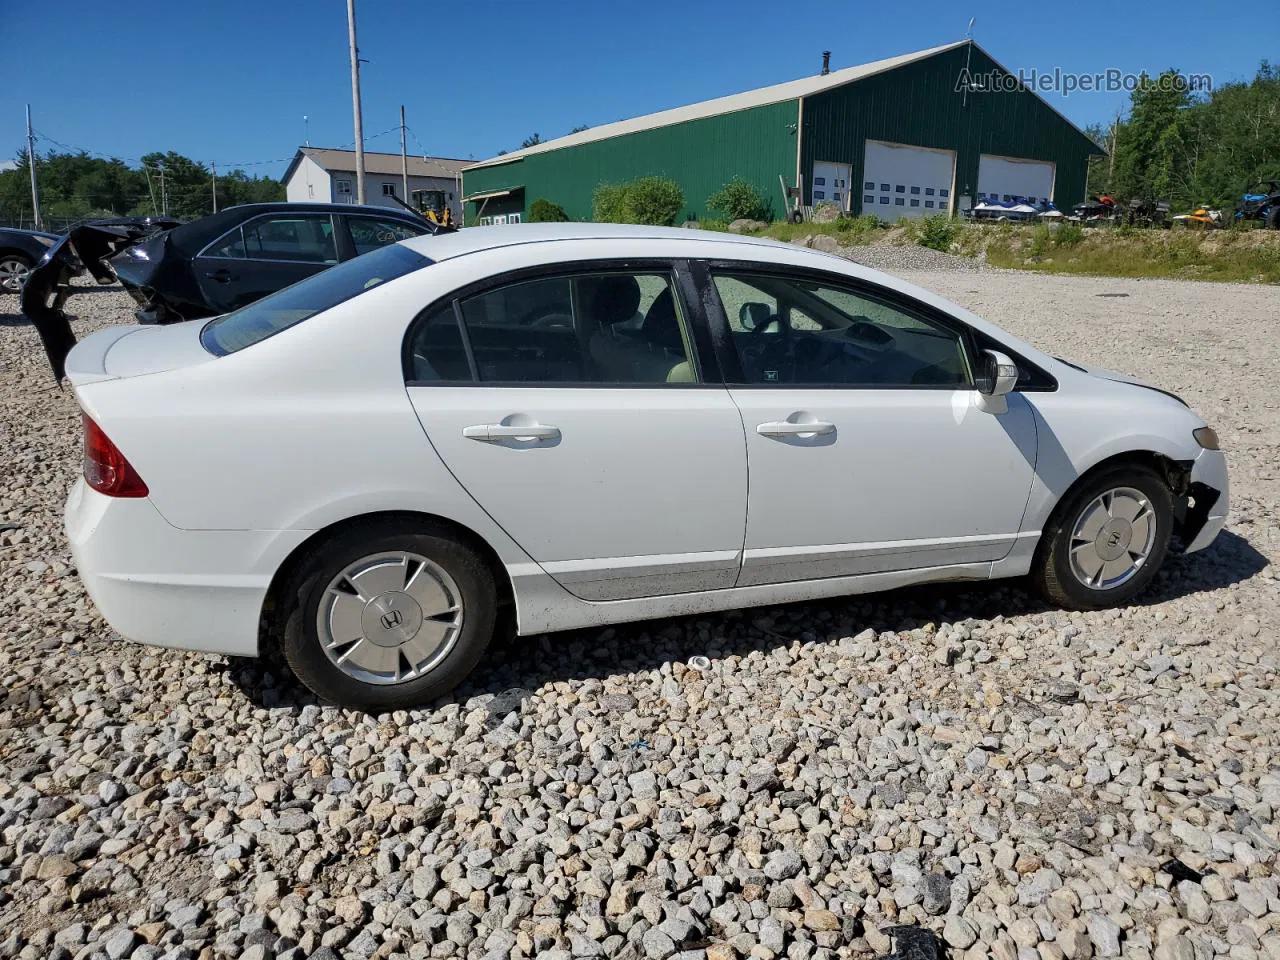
[444, 246]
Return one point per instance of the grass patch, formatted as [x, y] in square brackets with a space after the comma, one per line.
[1131, 252]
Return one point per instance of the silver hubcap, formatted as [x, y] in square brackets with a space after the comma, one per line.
[13, 274]
[1113, 538]
[389, 618]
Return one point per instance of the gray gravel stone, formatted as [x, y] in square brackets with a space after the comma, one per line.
[821, 778]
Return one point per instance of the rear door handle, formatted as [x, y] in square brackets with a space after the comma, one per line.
[502, 431]
[785, 428]
[221, 276]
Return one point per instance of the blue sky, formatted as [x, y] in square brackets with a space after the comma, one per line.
[231, 80]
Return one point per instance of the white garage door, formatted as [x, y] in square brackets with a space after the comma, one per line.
[1008, 178]
[901, 181]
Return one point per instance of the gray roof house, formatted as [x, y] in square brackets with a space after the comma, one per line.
[322, 175]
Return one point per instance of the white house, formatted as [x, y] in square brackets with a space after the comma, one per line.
[329, 176]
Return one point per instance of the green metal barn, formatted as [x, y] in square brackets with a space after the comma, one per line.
[927, 132]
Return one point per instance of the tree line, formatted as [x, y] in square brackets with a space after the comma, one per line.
[76, 186]
[1191, 148]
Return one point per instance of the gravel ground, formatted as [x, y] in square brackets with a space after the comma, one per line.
[1011, 777]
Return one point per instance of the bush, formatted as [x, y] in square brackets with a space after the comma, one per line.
[544, 211]
[655, 201]
[739, 200]
[936, 232]
[609, 203]
[1068, 234]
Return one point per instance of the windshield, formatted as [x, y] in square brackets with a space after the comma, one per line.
[292, 305]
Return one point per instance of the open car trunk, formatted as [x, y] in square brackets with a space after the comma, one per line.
[86, 248]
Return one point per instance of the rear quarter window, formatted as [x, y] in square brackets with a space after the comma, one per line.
[292, 305]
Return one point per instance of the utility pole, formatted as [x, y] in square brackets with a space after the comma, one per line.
[164, 197]
[146, 171]
[355, 99]
[31, 163]
[404, 157]
[214, 167]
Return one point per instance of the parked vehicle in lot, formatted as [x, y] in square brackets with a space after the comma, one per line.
[19, 251]
[1261, 203]
[215, 264]
[597, 424]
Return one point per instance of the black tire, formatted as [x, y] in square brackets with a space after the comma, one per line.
[1052, 571]
[302, 645]
[1273, 218]
[796, 216]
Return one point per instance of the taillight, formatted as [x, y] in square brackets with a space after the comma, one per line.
[105, 468]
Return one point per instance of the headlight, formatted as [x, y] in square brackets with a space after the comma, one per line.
[47, 241]
[1206, 437]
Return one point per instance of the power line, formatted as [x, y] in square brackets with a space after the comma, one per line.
[225, 164]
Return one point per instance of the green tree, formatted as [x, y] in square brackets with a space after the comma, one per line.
[1191, 147]
[76, 186]
[1151, 147]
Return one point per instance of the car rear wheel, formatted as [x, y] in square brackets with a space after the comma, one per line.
[388, 619]
[1107, 540]
[14, 270]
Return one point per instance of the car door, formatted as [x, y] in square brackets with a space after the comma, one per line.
[370, 233]
[867, 449]
[263, 255]
[575, 410]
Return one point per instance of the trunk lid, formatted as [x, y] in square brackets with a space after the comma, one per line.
[134, 351]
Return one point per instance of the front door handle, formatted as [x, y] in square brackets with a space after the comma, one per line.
[503, 431]
[785, 428]
[221, 276]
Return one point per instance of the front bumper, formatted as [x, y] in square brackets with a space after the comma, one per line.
[157, 584]
[1210, 494]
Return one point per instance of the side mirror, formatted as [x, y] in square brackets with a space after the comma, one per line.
[999, 374]
[754, 315]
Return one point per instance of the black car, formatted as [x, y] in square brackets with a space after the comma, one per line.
[212, 265]
[225, 261]
[19, 251]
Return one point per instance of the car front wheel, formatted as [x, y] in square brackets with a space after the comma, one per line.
[387, 619]
[1106, 542]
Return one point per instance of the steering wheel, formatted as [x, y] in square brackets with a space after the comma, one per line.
[552, 317]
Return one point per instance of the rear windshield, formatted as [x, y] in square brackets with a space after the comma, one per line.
[281, 310]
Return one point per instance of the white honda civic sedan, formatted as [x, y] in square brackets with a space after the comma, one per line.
[596, 424]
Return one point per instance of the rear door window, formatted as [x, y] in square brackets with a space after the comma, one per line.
[620, 327]
[299, 238]
[292, 305]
